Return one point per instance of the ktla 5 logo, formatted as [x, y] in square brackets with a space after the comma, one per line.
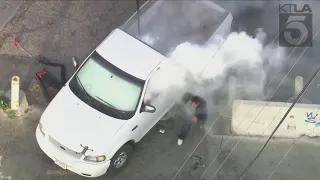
[295, 25]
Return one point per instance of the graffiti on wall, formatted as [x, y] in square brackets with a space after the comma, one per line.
[312, 118]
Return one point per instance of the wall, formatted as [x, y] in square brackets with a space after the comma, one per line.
[260, 118]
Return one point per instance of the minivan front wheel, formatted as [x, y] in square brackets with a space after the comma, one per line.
[120, 160]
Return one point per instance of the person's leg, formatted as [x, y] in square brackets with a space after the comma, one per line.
[202, 122]
[184, 131]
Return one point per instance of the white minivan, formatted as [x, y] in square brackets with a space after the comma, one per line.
[92, 124]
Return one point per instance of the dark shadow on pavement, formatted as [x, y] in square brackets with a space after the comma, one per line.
[47, 43]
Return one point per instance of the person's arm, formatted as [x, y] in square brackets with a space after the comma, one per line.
[201, 113]
[201, 116]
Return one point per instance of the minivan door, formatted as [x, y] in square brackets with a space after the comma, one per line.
[162, 102]
[147, 120]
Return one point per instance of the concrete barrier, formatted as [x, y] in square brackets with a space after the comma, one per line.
[260, 118]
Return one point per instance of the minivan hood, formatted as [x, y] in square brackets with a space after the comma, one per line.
[73, 123]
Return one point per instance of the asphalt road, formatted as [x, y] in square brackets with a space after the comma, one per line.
[60, 30]
[157, 156]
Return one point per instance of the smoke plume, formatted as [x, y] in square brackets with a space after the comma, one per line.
[245, 56]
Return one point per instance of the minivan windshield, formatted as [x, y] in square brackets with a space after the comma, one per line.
[107, 88]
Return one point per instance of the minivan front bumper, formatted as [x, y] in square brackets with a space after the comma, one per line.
[75, 165]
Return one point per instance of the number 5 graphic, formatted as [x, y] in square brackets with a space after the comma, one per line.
[293, 24]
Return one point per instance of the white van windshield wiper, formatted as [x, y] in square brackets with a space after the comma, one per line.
[110, 105]
[85, 92]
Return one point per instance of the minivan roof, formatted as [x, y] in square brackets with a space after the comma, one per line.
[129, 54]
[166, 24]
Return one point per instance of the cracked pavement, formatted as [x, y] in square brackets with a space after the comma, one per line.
[60, 30]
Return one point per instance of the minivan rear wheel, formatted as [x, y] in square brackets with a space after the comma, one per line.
[120, 160]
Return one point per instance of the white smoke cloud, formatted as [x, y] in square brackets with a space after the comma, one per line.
[149, 40]
[247, 56]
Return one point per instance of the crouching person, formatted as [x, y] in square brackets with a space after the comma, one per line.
[196, 111]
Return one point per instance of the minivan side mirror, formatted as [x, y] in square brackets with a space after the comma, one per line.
[75, 62]
[149, 109]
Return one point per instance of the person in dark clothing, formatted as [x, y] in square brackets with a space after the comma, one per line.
[196, 111]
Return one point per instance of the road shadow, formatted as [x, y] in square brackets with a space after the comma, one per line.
[47, 45]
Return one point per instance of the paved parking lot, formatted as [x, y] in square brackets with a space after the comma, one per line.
[157, 157]
[62, 29]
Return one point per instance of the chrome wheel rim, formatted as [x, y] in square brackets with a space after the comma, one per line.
[121, 159]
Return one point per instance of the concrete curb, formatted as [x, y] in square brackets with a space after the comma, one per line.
[303, 139]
